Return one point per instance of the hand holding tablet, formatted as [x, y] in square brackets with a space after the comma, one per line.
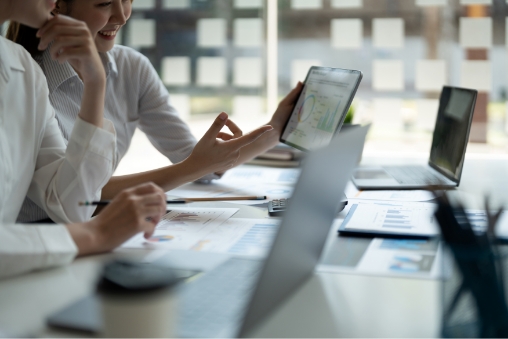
[321, 108]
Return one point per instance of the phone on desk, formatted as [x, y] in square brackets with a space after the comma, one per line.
[321, 108]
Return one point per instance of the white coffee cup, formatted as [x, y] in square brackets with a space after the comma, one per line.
[138, 300]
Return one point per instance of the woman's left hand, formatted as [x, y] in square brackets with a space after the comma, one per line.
[286, 106]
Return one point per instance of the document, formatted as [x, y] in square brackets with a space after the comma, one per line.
[246, 237]
[391, 218]
[261, 175]
[239, 237]
[420, 259]
[182, 227]
[275, 183]
[219, 189]
[401, 195]
[408, 219]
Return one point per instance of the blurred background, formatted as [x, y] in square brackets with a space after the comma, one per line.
[243, 56]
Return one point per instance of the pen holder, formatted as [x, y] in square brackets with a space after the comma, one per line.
[474, 292]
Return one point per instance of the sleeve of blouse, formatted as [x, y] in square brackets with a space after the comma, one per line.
[66, 175]
[169, 134]
[26, 248]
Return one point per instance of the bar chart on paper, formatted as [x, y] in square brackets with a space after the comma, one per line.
[183, 227]
[406, 218]
[245, 237]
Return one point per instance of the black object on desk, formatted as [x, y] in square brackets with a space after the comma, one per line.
[276, 207]
[477, 306]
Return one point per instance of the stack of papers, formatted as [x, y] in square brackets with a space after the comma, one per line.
[209, 230]
[407, 258]
[406, 219]
[275, 183]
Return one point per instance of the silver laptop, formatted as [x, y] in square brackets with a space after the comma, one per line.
[448, 150]
[234, 298]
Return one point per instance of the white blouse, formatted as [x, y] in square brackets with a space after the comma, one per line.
[135, 97]
[35, 162]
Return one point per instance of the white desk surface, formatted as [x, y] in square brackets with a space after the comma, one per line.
[328, 305]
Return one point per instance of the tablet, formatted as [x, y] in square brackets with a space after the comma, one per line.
[321, 108]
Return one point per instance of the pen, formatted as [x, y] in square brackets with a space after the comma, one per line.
[105, 202]
[182, 200]
[249, 197]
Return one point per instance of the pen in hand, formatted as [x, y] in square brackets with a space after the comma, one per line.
[184, 200]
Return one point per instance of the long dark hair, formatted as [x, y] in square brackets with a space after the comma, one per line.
[25, 36]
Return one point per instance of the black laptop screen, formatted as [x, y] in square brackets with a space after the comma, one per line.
[451, 133]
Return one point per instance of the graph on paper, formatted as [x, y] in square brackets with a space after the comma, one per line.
[183, 227]
[405, 218]
[240, 237]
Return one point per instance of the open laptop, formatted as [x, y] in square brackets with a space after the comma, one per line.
[234, 298]
[449, 142]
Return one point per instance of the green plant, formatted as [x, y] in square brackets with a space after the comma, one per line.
[349, 116]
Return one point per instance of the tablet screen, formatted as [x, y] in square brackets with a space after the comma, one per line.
[321, 107]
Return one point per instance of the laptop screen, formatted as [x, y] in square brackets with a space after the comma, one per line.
[306, 224]
[456, 108]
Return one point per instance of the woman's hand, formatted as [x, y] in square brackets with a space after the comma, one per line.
[219, 151]
[72, 41]
[134, 210]
[286, 106]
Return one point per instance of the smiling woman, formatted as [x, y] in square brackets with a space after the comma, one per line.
[137, 98]
[103, 18]
[37, 162]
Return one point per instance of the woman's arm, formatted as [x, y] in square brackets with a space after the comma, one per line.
[210, 155]
[207, 158]
[66, 175]
[278, 121]
[70, 41]
[24, 248]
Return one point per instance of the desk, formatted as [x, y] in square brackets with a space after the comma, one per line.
[328, 305]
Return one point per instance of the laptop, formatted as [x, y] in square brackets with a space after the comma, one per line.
[449, 142]
[236, 297]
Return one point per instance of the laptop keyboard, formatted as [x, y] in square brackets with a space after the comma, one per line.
[414, 175]
[213, 305]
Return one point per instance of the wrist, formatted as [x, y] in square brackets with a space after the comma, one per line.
[272, 137]
[97, 82]
[85, 237]
[193, 170]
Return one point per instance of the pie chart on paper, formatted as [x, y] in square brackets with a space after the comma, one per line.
[160, 238]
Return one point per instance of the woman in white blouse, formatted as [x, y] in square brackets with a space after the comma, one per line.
[36, 162]
[135, 97]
